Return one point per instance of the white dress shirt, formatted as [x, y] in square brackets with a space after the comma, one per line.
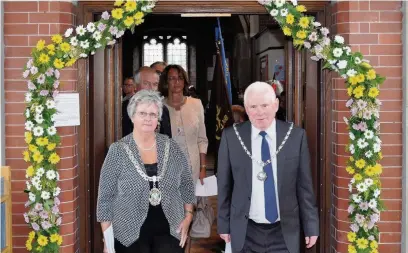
[257, 208]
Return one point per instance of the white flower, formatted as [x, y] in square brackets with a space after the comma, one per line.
[28, 97]
[316, 24]
[265, 2]
[36, 180]
[332, 61]
[324, 31]
[368, 154]
[120, 34]
[364, 206]
[374, 217]
[50, 104]
[28, 185]
[342, 64]
[357, 60]
[91, 27]
[50, 72]
[73, 41]
[97, 35]
[38, 131]
[361, 143]
[294, 2]
[376, 147]
[360, 218]
[356, 198]
[68, 32]
[40, 171]
[30, 63]
[361, 187]
[45, 195]
[350, 209]
[315, 58]
[351, 135]
[27, 113]
[371, 238]
[337, 52]
[39, 118]
[29, 125]
[349, 102]
[52, 130]
[369, 134]
[98, 45]
[84, 44]
[26, 73]
[318, 48]
[105, 15]
[279, 3]
[92, 52]
[346, 120]
[50, 174]
[284, 12]
[372, 203]
[377, 140]
[347, 49]
[326, 41]
[39, 109]
[80, 30]
[53, 118]
[31, 196]
[350, 187]
[313, 36]
[57, 191]
[34, 70]
[352, 181]
[339, 39]
[351, 149]
[274, 12]
[57, 74]
[351, 72]
[41, 79]
[111, 42]
[354, 227]
[361, 104]
[83, 55]
[377, 193]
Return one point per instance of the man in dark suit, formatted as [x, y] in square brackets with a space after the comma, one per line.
[148, 78]
[129, 90]
[265, 191]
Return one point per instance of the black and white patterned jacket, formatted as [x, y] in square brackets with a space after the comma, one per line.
[123, 196]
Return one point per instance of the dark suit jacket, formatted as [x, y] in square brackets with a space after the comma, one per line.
[295, 189]
[127, 125]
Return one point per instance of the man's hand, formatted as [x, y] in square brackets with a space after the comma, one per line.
[226, 237]
[310, 241]
[202, 176]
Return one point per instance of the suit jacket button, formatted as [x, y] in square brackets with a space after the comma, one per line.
[249, 198]
[246, 216]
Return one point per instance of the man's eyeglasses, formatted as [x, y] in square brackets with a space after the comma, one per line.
[144, 115]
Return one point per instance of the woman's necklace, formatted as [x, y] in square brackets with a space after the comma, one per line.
[146, 149]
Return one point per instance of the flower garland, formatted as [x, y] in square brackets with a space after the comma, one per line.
[42, 72]
[362, 84]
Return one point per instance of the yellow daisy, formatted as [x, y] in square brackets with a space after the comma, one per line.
[30, 171]
[380, 156]
[58, 63]
[374, 251]
[287, 31]
[290, 19]
[37, 157]
[118, 3]
[351, 159]
[358, 177]
[377, 169]
[59, 242]
[304, 22]
[353, 80]
[65, 47]
[31, 235]
[366, 65]
[26, 156]
[54, 237]
[128, 21]
[51, 146]
[301, 8]
[54, 158]
[351, 249]
[360, 163]
[40, 45]
[42, 141]
[70, 62]
[51, 47]
[42, 240]
[374, 244]
[350, 170]
[371, 74]
[56, 38]
[350, 91]
[373, 92]
[130, 6]
[298, 42]
[28, 137]
[44, 59]
[138, 15]
[362, 243]
[360, 78]
[139, 21]
[32, 148]
[117, 13]
[359, 91]
[28, 245]
[351, 236]
[301, 34]
[369, 171]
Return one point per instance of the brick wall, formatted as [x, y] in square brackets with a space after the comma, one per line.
[373, 28]
[24, 24]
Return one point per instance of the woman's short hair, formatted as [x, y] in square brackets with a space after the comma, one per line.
[145, 97]
[164, 84]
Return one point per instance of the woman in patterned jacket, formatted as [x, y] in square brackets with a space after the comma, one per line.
[146, 191]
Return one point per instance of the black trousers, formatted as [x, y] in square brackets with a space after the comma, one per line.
[264, 238]
[151, 244]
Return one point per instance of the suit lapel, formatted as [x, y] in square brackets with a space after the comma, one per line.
[281, 130]
[245, 133]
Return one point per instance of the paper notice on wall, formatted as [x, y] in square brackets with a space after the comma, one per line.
[67, 109]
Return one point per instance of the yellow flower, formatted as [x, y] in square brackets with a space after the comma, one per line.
[65, 47]
[40, 45]
[371, 74]
[42, 141]
[128, 21]
[59, 242]
[138, 15]
[374, 244]
[118, 3]
[117, 13]
[54, 158]
[351, 249]
[350, 91]
[32, 148]
[51, 146]
[31, 235]
[290, 19]
[358, 92]
[70, 62]
[377, 169]
[139, 21]
[380, 156]
[362, 243]
[351, 236]
[298, 42]
[301, 8]
[374, 251]
[350, 170]
[51, 47]
[28, 245]
[301, 34]
[287, 31]
[26, 156]
[304, 22]
[373, 92]
[39, 249]
[366, 65]
[351, 159]
[51, 52]
[54, 237]
[56, 38]
[37, 157]
[28, 137]
[44, 58]
[353, 80]
[360, 163]
[58, 63]
[358, 177]
[30, 171]
[360, 78]
[130, 6]
[369, 171]
[42, 240]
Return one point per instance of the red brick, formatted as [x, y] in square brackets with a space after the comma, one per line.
[10, 6]
[364, 5]
[364, 27]
[15, 62]
[386, 49]
[16, 41]
[388, 16]
[14, 18]
[33, 39]
[14, 108]
[56, 6]
[43, 6]
[15, 85]
[390, 39]
[345, 17]
[385, 5]
[345, 6]
[44, 29]
[361, 38]
[385, 27]
[20, 29]
[15, 119]
[390, 60]
[348, 28]
[14, 96]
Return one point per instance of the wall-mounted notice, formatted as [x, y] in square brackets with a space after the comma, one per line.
[67, 109]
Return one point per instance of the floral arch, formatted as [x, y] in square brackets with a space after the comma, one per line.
[42, 72]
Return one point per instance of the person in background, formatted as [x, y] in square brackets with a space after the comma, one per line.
[159, 66]
[146, 191]
[238, 112]
[129, 89]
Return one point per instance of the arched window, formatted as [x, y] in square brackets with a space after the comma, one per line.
[171, 49]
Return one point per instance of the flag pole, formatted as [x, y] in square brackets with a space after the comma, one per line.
[225, 66]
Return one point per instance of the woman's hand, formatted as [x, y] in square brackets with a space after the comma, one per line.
[183, 229]
[202, 175]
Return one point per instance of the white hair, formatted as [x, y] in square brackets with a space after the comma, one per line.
[145, 97]
[259, 87]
